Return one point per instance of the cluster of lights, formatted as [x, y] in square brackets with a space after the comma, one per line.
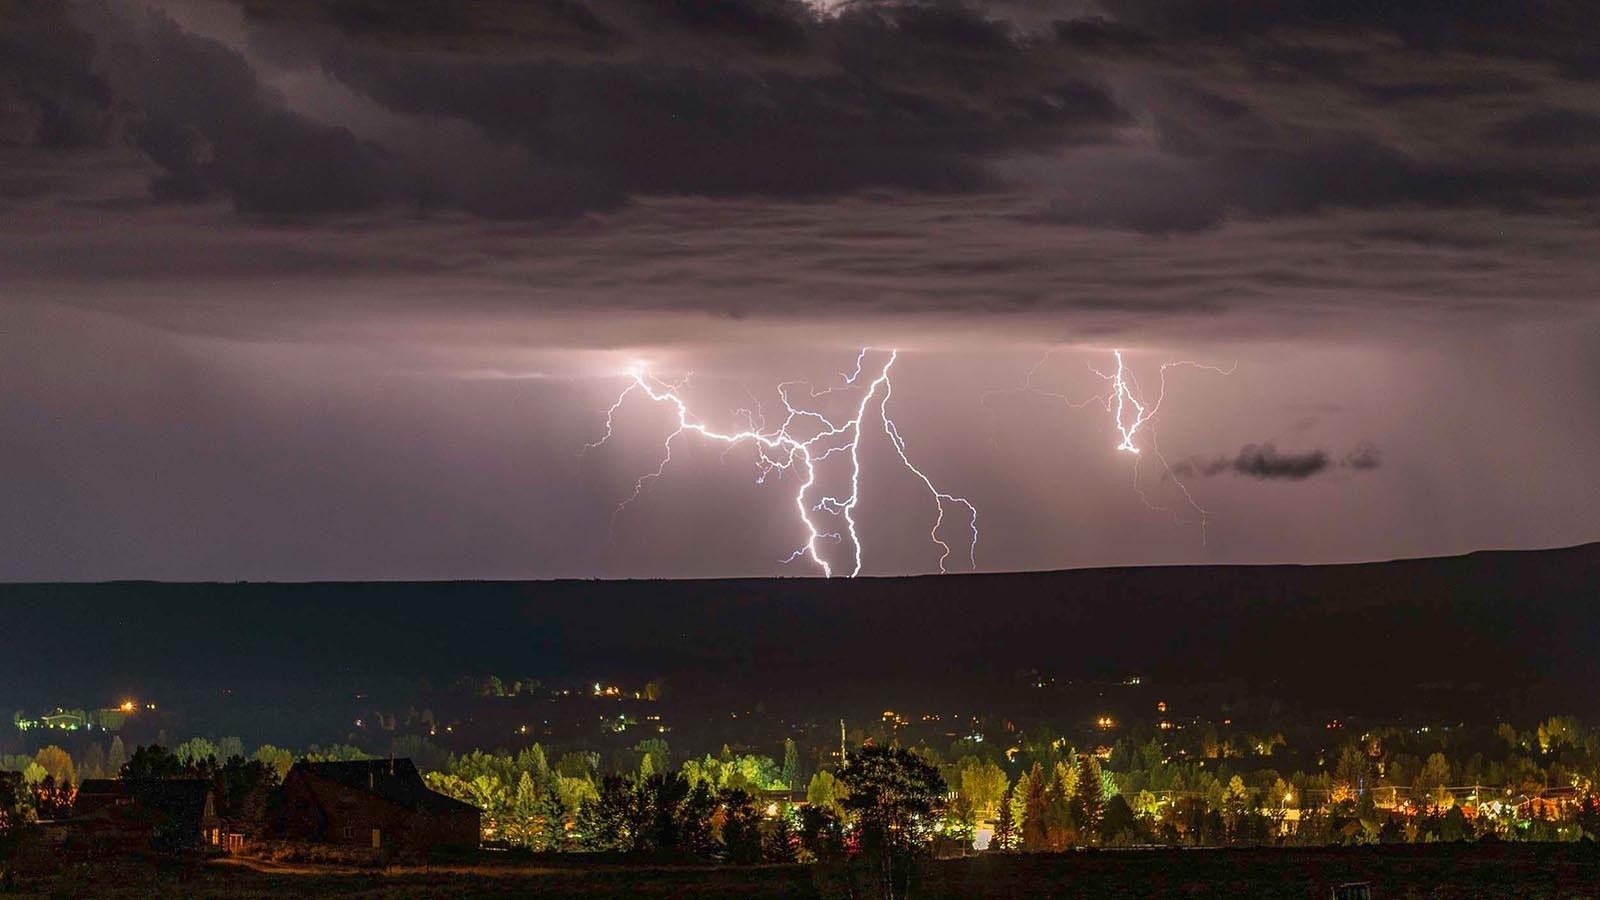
[805, 438]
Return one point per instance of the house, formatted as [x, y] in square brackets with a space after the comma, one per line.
[166, 815]
[95, 794]
[375, 803]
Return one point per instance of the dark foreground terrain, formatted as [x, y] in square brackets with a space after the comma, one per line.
[1522, 871]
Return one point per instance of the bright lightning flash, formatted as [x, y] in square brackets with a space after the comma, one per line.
[803, 440]
[1131, 413]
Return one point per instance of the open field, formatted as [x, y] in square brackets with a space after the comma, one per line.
[1437, 872]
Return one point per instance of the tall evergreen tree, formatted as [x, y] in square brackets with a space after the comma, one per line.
[116, 758]
[1005, 829]
[1088, 803]
[791, 765]
[1035, 801]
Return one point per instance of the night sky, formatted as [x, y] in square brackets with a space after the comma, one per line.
[341, 289]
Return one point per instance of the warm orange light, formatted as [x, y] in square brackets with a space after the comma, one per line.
[128, 706]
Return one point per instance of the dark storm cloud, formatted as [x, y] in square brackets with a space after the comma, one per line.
[597, 102]
[1267, 463]
[1156, 117]
[727, 158]
[1550, 128]
[49, 97]
[749, 97]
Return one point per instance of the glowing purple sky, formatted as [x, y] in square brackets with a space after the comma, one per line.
[294, 293]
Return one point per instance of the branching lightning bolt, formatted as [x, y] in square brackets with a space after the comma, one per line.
[1131, 413]
[805, 438]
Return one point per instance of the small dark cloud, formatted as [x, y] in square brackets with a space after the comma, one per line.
[1267, 463]
[1363, 458]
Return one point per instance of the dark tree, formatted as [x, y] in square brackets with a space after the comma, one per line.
[1588, 816]
[52, 800]
[16, 820]
[821, 833]
[896, 797]
[604, 824]
[782, 842]
[694, 831]
[243, 789]
[154, 761]
[1119, 824]
[741, 828]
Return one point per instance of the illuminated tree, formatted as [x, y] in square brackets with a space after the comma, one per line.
[280, 761]
[823, 793]
[1088, 804]
[194, 752]
[116, 757]
[93, 762]
[983, 783]
[57, 763]
[791, 765]
[1005, 830]
[1431, 783]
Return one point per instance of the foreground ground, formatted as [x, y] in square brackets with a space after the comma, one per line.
[1522, 871]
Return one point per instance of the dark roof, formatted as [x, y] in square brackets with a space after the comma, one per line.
[100, 786]
[395, 780]
[183, 800]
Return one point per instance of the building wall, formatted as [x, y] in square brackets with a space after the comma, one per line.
[323, 811]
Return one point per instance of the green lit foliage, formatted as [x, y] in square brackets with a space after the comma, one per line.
[57, 763]
[1088, 800]
[983, 783]
[746, 772]
[790, 774]
[824, 793]
[280, 761]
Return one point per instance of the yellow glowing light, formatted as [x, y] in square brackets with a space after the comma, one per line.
[127, 706]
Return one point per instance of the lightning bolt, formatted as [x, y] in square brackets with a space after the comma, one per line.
[805, 438]
[1131, 413]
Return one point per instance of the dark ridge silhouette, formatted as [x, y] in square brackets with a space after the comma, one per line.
[1487, 633]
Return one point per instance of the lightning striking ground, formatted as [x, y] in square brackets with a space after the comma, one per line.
[805, 438]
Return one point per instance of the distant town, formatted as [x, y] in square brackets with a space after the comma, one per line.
[517, 765]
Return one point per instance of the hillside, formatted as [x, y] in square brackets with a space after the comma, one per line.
[1484, 631]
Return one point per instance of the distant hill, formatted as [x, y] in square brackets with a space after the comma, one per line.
[1486, 631]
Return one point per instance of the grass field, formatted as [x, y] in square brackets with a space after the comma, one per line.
[1456, 872]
